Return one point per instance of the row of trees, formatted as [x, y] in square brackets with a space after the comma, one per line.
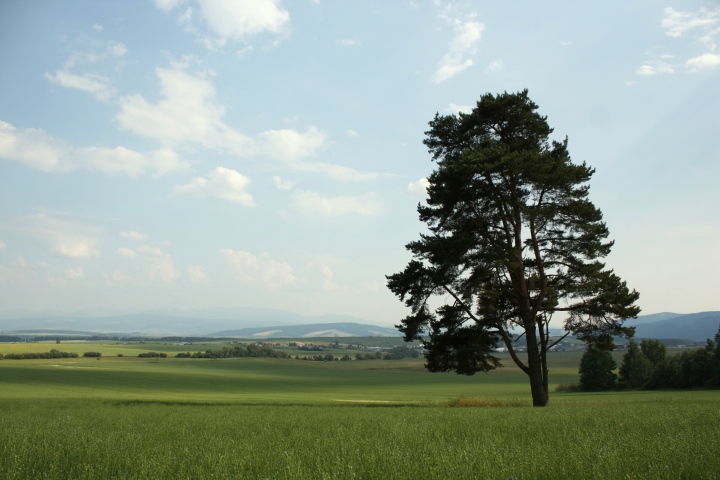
[647, 366]
[236, 352]
[29, 356]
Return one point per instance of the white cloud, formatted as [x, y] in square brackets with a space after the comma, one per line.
[117, 49]
[282, 184]
[707, 60]
[97, 27]
[126, 252]
[630, 83]
[260, 269]
[20, 261]
[462, 46]
[372, 286]
[64, 237]
[654, 67]
[36, 149]
[419, 187]
[133, 235]
[187, 113]
[167, 5]
[314, 204]
[197, 274]
[460, 108]
[221, 183]
[291, 145]
[677, 23]
[565, 43]
[337, 172]
[158, 265]
[89, 82]
[352, 133]
[328, 278]
[495, 66]
[3, 246]
[74, 272]
[238, 19]
[345, 42]
[117, 277]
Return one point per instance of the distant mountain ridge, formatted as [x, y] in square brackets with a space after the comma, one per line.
[312, 330]
[693, 326]
[164, 322]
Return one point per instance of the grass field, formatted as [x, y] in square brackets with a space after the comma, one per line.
[280, 418]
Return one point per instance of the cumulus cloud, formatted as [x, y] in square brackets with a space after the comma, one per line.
[655, 67]
[260, 269]
[159, 266]
[133, 235]
[67, 238]
[232, 19]
[221, 183]
[197, 274]
[462, 47]
[290, 144]
[126, 252]
[188, 114]
[704, 61]
[419, 187]
[74, 272]
[36, 149]
[315, 204]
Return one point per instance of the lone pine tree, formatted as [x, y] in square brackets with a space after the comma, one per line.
[513, 239]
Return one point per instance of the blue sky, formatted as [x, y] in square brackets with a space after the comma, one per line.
[191, 154]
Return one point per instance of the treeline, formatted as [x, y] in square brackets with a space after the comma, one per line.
[29, 356]
[236, 352]
[152, 355]
[397, 353]
[647, 366]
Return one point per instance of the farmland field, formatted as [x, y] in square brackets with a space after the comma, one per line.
[283, 418]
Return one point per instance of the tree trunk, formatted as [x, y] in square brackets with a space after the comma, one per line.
[538, 378]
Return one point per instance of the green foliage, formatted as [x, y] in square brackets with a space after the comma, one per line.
[237, 351]
[119, 354]
[92, 354]
[636, 368]
[689, 369]
[596, 370]
[51, 354]
[653, 349]
[513, 239]
[152, 355]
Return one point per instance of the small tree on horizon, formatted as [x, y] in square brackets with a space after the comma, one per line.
[513, 239]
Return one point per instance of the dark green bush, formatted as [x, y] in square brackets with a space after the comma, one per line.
[152, 355]
[51, 354]
[636, 368]
[92, 354]
[596, 370]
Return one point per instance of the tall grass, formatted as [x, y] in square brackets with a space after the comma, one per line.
[105, 439]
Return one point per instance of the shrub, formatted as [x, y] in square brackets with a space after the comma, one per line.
[92, 354]
[596, 370]
[152, 355]
[120, 354]
[567, 387]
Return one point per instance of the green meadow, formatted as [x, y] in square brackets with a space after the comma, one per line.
[129, 417]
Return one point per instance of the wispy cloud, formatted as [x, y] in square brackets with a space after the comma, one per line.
[463, 45]
[313, 203]
[64, 237]
[259, 269]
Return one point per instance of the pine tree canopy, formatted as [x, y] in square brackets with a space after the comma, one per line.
[513, 239]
